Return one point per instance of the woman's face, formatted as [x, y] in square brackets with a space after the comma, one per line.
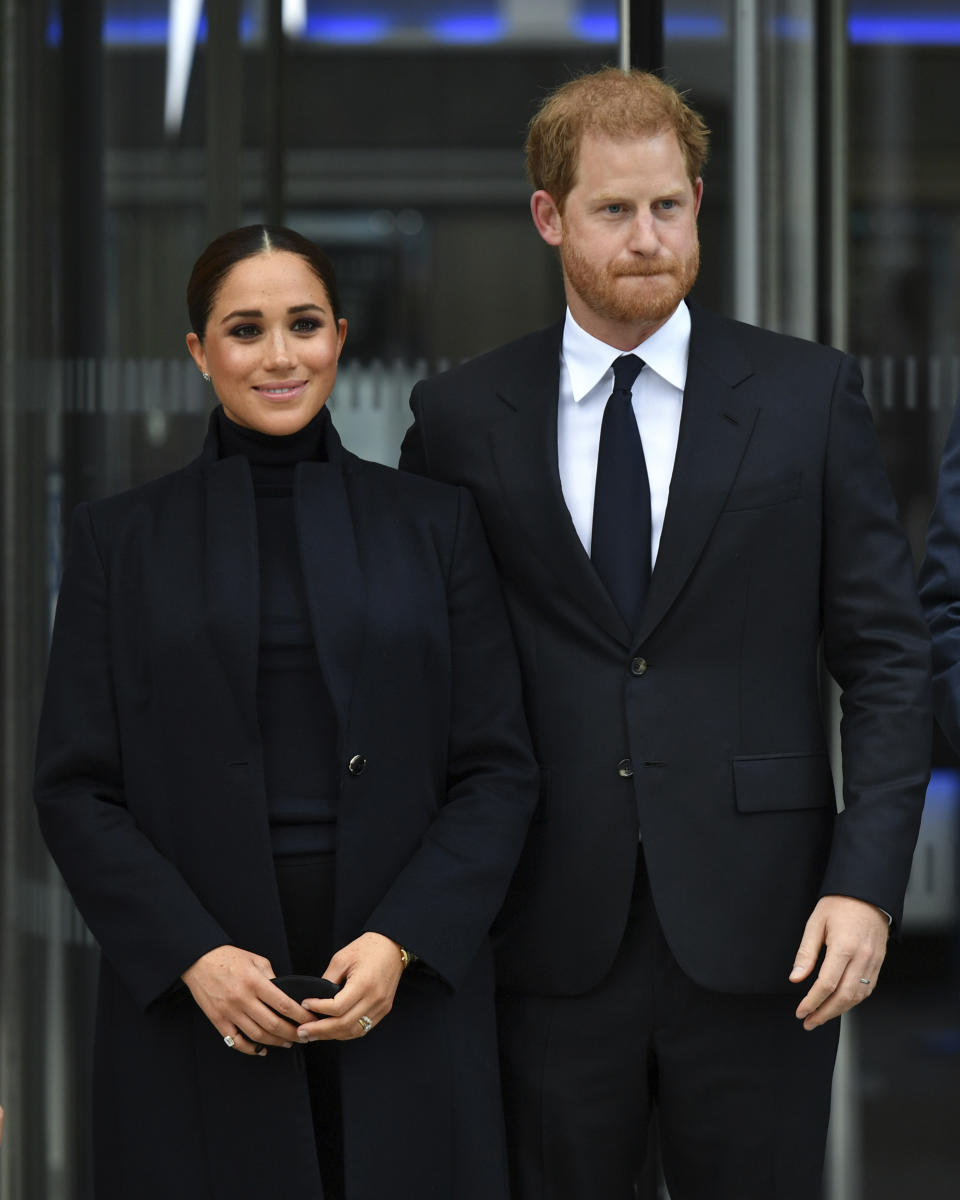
[271, 344]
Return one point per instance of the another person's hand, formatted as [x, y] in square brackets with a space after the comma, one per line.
[855, 934]
[233, 988]
[370, 970]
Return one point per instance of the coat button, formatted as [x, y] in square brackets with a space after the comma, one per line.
[638, 666]
[625, 768]
[357, 764]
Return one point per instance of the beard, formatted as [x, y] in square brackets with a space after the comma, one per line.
[599, 287]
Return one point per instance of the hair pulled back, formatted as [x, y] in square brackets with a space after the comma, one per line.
[224, 252]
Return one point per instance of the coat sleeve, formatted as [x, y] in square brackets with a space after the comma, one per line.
[940, 588]
[147, 920]
[444, 901]
[876, 646]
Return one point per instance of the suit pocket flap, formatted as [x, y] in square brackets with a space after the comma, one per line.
[780, 782]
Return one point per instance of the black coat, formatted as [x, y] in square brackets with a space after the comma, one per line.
[151, 798]
[701, 729]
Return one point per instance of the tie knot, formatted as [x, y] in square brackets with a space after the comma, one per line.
[625, 370]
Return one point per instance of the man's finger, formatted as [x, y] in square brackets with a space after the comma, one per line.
[809, 949]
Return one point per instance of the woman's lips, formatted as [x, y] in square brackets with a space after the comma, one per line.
[287, 389]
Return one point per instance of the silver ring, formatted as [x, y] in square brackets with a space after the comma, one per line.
[865, 982]
[365, 1024]
[228, 1041]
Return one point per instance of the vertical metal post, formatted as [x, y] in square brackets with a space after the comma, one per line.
[641, 35]
[843, 1169]
[224, 104]
[274, 132]
[10, 999]
[833, 182]
[84, 319]
[746, 161]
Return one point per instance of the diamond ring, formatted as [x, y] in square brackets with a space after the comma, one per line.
[365, 1024]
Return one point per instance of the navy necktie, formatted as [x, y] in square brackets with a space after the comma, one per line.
[621, 507]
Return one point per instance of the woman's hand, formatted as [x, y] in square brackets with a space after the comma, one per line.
[370, 969]
[233, 988]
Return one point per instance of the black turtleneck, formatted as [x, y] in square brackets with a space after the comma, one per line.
[298, 725]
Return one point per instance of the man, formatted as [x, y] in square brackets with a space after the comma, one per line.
[683, 509]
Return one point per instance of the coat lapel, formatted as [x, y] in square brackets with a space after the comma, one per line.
[524, 447]
[336, 592]
[331, 569]
[715, 428]
[231, 575]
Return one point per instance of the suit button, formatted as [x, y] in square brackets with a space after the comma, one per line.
[638, 666]
[625, 768]
[357, 764]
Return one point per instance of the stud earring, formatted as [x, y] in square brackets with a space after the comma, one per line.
[206, 377]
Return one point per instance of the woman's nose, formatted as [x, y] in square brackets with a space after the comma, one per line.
[279, 352]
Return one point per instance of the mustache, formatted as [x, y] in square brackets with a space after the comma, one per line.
[659, 267]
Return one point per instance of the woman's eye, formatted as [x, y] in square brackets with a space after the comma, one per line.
[305, 325]
[244, 331]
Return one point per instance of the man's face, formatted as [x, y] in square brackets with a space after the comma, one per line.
[627, 235]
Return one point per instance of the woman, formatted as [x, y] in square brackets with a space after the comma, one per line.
[282, 732]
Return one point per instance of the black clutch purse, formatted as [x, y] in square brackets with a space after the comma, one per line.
[306, 987]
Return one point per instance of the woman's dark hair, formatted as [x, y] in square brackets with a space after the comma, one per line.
[224, 252]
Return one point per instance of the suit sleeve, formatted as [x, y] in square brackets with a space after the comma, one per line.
[876, 646]
[147, 920]
[940, 588]
[444, 901]
[413, 451]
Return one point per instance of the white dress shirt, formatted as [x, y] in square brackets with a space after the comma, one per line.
[586, 381]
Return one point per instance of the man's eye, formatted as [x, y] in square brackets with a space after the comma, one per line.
[668, 204]
[615, 209]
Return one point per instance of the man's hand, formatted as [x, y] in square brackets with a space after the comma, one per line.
[855, 935]
[371, 968]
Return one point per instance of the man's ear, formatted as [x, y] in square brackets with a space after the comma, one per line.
[547, 218]
[697, 196]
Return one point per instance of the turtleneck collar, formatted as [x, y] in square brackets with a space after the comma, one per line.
[271, 451]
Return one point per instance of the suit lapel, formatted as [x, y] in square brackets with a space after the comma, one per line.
[336, 592]
[524, 448]
[715, 428]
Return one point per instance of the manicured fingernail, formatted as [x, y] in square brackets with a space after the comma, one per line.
[287, 1045]
[262, 1052]
[302, 1035]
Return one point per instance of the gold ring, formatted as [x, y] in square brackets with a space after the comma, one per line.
[365, 1024]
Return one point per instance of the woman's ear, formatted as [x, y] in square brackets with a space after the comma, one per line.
[195, 346]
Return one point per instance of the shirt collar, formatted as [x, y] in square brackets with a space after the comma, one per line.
[587, 359]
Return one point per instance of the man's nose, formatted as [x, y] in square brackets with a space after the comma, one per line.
[643, 235]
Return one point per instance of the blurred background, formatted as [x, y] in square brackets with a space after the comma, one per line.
[391, 131]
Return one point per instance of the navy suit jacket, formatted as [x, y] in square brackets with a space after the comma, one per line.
[701, 729]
